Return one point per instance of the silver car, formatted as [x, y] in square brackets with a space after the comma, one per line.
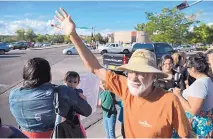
[185, 48]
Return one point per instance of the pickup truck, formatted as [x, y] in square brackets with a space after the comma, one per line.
[114, 48]
[111, 61]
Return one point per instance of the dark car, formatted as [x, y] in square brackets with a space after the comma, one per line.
[18, 45]
[4, 48]
[111, 61]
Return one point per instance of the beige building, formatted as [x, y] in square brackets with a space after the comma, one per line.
[128, 37]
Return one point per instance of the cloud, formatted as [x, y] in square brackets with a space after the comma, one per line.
[209, 24]
[40, 27]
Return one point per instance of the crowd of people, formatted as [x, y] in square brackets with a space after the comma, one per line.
[172, 99]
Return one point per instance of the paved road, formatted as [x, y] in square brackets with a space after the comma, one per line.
[12, 63]
[11, 66]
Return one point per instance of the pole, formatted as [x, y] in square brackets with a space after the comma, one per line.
[195, 2]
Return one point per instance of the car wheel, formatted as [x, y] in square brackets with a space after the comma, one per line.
[103, 52]
[69, 52]
[2, 52]
[126, 51]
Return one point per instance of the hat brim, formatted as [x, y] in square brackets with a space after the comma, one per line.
[142, 68]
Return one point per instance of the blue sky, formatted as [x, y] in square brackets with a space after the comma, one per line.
[105, 16]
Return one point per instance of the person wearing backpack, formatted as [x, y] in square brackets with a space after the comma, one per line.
[107, 102]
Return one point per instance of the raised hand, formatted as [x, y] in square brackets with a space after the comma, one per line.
[66, 23]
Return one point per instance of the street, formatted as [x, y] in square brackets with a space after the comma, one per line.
[11, 66]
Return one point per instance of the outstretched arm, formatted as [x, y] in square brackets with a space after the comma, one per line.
[89, 60]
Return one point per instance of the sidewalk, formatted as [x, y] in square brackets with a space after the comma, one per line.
[97, 130]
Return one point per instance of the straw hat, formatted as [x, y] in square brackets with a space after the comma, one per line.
[143, 61]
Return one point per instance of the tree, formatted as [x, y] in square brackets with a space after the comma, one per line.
[98, 37]
[203, 34]
[20, 34]
[67, 39]
[170, 26]
[39, 38]
[30, 35]
[140, 27]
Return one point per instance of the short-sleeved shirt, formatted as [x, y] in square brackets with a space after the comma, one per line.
[107, 103]
[152, 116]
[201, 88]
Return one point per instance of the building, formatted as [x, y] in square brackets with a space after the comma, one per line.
[128, 37]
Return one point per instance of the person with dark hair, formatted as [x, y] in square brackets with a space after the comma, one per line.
[107, 102]
[72, 79]
[197, 98]
[175, 78]
[32, 103]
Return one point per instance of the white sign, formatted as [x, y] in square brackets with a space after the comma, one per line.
[90, 85]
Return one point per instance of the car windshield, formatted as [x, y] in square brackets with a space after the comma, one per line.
[161, 48]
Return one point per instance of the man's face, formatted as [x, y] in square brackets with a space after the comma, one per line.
[72, 82]
[138, 82]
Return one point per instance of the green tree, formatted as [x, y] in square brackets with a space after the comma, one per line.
[20, 34]
[203, 34]
[140, 27]
[39, 38]
[98, 37]
[67, 39]
[30, 35]
[170, 26]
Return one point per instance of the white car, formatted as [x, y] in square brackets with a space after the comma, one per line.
[115, 48]
[72, 51]
[46, 44]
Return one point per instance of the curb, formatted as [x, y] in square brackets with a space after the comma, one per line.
[51, 47]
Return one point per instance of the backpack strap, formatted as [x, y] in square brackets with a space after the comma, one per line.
[58, 119]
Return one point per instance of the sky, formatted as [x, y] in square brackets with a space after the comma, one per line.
[105, 17]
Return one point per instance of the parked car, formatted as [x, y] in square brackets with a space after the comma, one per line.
[72, 50]
[185, 48]
[4, 48]
[46, 44]
[114, 48]
[38, 45]
[18, 45]
[111, 61]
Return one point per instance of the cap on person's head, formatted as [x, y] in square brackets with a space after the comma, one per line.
[143, 61]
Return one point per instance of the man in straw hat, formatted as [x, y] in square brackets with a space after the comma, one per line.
[149, 112]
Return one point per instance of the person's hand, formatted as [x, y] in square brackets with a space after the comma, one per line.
[177, 91]
[66, 23]
[82, 96]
